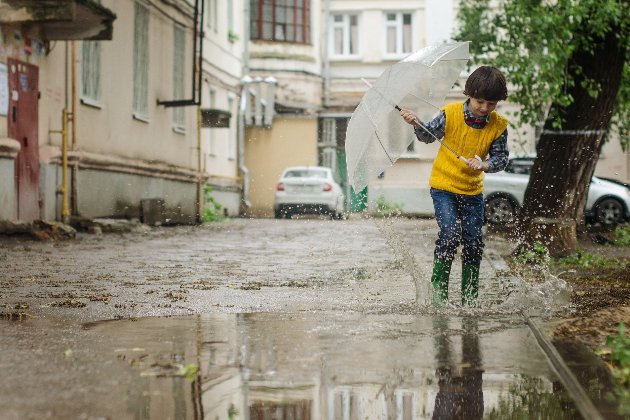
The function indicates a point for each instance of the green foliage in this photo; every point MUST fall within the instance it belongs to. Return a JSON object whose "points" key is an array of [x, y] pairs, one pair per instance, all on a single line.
{"points": [[619, 355], [586, 260], [537, 255], [621, 236], [212, 209], [385, 208], [232, 36], [189, 371], [533, 42], [232, 412]]}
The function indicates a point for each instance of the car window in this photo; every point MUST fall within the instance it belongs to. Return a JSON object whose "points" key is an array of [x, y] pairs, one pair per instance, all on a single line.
{"points": [[306, 173], [520, 166]]}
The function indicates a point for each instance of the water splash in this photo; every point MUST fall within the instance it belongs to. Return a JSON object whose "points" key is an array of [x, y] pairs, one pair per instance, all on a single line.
{"points": [[420, 275], [537, 298]]}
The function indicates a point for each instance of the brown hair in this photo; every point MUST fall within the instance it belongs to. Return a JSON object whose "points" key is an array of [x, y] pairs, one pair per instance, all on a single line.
{"points": [[487, 83]]}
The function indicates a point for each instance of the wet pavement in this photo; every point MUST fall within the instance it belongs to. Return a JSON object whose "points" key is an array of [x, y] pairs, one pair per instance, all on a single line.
{"points": [[264, 319]]}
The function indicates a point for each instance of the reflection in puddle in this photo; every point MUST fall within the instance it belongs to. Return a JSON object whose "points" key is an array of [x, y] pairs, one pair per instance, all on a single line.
{"points": [[314, 366]]}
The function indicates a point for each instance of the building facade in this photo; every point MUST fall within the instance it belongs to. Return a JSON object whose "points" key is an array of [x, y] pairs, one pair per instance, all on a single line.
{"points": [[150, 125], [132, 97]]}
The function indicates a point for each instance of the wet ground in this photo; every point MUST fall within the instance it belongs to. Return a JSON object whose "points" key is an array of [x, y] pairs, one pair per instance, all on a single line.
{"points": [[265, 319]]}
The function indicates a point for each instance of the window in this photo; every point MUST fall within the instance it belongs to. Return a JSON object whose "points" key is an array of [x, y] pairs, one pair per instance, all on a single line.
{"points": [[399, 32], [332, 138], [211, 141], [232, 137], [179, 55], [91, 72], [280, 20], [345, 36], [141, 62], [213, 14], [230, 15]]}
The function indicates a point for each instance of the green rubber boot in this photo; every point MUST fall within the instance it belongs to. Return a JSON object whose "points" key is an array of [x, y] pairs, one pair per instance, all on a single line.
{"points": [[470, 284], [439, 281]]}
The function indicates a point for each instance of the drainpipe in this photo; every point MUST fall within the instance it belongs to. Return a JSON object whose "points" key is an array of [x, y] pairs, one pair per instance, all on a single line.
{"points": [[326, 54], [63, 189], [245, 81], [200, 195], [73, 113], [243, 107]]}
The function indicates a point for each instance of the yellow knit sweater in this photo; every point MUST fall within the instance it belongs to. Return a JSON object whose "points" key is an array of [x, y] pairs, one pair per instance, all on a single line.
{"points": [[450, 173]]}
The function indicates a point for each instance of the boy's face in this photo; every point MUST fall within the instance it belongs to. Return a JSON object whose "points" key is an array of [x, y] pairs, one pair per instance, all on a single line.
{"points": [[481, 107]]}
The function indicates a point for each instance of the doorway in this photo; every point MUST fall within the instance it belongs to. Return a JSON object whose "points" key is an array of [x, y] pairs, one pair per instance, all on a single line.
{"points": [[23, 127]]}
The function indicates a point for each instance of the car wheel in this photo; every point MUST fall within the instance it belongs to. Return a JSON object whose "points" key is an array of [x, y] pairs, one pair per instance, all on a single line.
{"points": [[500, 210], [609, 211]]}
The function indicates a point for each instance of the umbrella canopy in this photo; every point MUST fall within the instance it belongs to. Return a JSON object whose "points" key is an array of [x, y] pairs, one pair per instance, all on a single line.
{"points": [[377, 135]]}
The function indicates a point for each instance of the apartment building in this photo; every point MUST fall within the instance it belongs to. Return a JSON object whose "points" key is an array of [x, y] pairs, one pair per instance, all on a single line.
{"points": [[284, 66], [147, 123]]}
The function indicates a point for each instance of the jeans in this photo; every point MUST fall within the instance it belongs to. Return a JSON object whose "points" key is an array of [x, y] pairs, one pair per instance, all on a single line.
{"points": [[460, 219]]}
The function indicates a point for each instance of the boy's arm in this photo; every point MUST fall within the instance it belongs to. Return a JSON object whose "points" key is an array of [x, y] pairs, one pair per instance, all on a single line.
{"points": [[498, 154], [429, 130]]}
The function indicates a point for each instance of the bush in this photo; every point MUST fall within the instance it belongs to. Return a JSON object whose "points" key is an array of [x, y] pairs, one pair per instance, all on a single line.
{"points": [[385, 208], [211, 209]]}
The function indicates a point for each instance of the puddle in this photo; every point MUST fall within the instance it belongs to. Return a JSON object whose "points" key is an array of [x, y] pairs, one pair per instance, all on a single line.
{"points": [[329, 366]]}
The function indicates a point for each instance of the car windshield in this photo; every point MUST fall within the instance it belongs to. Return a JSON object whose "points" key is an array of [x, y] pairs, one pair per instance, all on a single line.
{"points": [[306, 173]]}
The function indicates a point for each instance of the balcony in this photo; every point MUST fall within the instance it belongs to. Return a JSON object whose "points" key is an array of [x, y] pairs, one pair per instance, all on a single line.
{"points": [[59, 20]]}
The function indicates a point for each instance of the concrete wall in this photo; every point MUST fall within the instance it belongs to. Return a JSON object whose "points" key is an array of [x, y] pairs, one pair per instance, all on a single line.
{"points": [[291, 142]]}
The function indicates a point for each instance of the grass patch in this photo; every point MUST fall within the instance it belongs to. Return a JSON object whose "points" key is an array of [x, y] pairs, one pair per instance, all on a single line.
{"points": [[617, 356], [621, 236], [586, 260]]}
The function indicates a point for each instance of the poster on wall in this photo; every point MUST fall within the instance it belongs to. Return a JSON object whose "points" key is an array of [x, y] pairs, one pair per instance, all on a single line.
{"points": [[4, 89]]}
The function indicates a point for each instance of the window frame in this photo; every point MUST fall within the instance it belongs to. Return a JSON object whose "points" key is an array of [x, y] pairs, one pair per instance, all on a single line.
{"points": [[141, 63], [346, 28], [399, 27], [232, 146], [179, 77], [212, 15], [212, 100], [91, 69], [258, 28]]}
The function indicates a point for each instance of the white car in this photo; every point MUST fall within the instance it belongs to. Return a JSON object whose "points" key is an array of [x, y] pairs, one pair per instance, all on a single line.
{"points": [[308, 189], [608, 202]]}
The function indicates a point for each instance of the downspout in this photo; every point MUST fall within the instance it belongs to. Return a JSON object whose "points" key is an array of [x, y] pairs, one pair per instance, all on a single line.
{"points": [[242, 109], [73, 117], [245, 81], [326, 58], [200, 195]]}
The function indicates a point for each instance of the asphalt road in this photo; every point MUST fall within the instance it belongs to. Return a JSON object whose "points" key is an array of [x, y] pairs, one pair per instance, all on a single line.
{"points": [[203, 321]]}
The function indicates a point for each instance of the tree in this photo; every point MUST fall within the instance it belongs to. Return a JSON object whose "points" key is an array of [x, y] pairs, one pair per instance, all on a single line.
{"points": [[568, 64]]}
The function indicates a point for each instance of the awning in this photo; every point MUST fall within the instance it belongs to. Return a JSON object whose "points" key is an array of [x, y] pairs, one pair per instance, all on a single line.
{"points": [[61, 19]]}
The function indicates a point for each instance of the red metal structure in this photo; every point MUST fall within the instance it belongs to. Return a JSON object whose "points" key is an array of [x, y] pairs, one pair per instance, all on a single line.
{"points": [[23, 126]]}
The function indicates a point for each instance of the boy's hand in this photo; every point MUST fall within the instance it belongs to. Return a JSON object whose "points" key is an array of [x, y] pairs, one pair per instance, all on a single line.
{"points": [[410, 118], [477, 164]]}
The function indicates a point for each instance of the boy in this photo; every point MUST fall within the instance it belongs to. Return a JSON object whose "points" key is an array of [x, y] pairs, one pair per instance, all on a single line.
{"points": [[472, 128]]}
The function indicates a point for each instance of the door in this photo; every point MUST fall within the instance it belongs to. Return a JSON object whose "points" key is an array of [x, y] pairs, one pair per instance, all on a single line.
{"points": [[23, 126]]}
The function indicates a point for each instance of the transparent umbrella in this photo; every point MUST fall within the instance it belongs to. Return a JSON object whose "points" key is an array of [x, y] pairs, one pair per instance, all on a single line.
{"points": [[377, 135]]}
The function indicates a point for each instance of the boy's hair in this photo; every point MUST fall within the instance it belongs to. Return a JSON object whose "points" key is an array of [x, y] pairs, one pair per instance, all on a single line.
{"points": [[487, 83]]}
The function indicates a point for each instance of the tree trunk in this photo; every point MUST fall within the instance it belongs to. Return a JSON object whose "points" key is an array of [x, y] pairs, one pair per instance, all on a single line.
{"points": [[566, 158]]}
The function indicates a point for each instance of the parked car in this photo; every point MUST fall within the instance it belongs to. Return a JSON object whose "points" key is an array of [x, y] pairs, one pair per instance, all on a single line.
{"points": [[308, 189], [608, 202]]}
